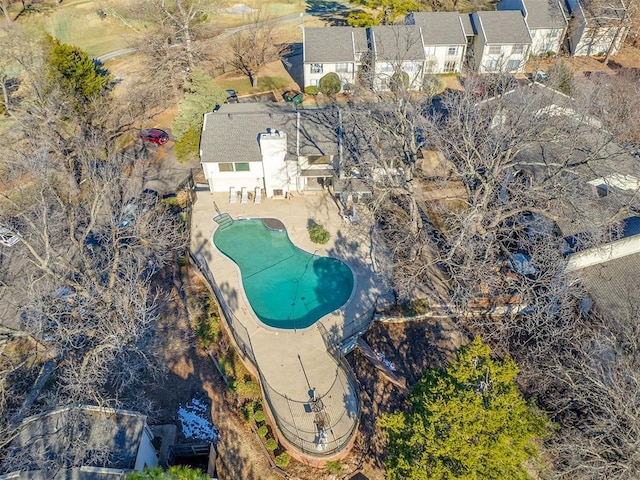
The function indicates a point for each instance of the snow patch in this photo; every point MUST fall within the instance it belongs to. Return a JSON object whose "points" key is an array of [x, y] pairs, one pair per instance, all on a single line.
{"points": [[194, 425]]}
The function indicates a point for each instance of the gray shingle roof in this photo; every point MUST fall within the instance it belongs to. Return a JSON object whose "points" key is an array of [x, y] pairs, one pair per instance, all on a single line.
{"points": [[333, 44], [398, 43], [309, 132], [361, 42], [318, 132], [503, 27], [542, 13], [88, 429], [613, 286], [440, 28], [467, 24]]}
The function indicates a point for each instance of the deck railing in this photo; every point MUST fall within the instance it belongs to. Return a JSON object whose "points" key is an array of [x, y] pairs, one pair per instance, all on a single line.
{"points": [[317, 426]]}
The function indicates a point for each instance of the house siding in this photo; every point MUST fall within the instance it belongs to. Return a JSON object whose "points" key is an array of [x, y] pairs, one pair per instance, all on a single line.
{"points": [[486, 62], [500, 62], [384, 70], [586, 40], [546, 40], [438, 58], [146, 453], [222, 181], [347, 77]]}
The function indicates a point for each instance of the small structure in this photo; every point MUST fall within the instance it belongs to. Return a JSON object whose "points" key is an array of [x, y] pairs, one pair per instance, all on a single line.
{"points": [[546, 21], [597, 28], [271, 147], [445, 42], [397, 50], [80, 442], [333, 49], [502, 43]]}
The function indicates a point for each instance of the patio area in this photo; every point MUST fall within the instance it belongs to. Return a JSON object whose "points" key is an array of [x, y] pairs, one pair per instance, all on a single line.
{"points": [[295, 365]]}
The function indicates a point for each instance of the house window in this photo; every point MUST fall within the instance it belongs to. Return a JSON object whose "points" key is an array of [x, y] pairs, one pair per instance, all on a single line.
{"points": [[450, 66], [410, 67], [277, 192], [430, 51], [495, 50], [517, 49], [314, 82], [513, 65], [234, 167], [316, 68], [492, 65], [452, 51], [342, 67], [319, 160], [386, 67]]}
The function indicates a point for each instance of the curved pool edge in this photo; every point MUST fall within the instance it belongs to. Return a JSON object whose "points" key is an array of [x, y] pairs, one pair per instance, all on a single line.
{"points": [[245, 298]]}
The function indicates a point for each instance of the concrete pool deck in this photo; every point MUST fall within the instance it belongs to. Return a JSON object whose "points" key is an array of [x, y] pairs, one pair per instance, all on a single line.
{"points": [[295, 362]]}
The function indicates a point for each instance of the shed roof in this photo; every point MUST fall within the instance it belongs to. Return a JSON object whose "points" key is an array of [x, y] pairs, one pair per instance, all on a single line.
{"points": [[309, 132], [503, 27], [72, 436], [398, 43], [333, 44], [440, 28]]}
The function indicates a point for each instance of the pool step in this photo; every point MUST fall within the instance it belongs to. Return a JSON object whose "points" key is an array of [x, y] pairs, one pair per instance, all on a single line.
{"points": [[223, 220]]}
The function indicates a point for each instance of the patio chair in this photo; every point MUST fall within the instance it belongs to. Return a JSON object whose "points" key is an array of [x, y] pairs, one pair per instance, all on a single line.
{"points": [[258, 197], [233, 195], [245, 195]]}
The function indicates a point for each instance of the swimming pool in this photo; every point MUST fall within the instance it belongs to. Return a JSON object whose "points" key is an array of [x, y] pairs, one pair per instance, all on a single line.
{"points": [[287, 287]]}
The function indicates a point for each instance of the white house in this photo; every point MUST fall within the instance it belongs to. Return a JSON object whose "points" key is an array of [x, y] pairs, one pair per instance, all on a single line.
{"points": [[80, 442], [595, 29], [444, 39], [546, 21], [333, 49], [269, 148], [502, 42], [397, 48]]}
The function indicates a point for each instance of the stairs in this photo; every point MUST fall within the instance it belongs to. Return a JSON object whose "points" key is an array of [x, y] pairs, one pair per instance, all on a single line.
{"points": [[223, 220]]}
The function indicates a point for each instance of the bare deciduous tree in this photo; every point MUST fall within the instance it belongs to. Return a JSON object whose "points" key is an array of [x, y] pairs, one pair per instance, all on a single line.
{"points": [[254, 47], [523, 167], [83, 275], [171, 38]]}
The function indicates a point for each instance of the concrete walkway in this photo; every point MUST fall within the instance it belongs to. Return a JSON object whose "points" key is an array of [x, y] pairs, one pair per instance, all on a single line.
{"points": [[294, 362]]}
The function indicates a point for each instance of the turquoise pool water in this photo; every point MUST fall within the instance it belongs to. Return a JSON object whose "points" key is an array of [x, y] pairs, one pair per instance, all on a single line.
{"points": [[286, 286]]}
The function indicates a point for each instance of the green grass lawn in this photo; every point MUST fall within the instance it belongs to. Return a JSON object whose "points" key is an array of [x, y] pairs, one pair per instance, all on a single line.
{"points": [[76, 22]]}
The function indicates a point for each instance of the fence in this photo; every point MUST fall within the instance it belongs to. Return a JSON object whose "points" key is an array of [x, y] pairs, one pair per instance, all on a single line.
{"points": [[240, 333], [317, 427], [323, 425], [340, 341]]}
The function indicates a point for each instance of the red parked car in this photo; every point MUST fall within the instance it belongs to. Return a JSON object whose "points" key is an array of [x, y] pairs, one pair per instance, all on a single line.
{"points": [[154, 135]]}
